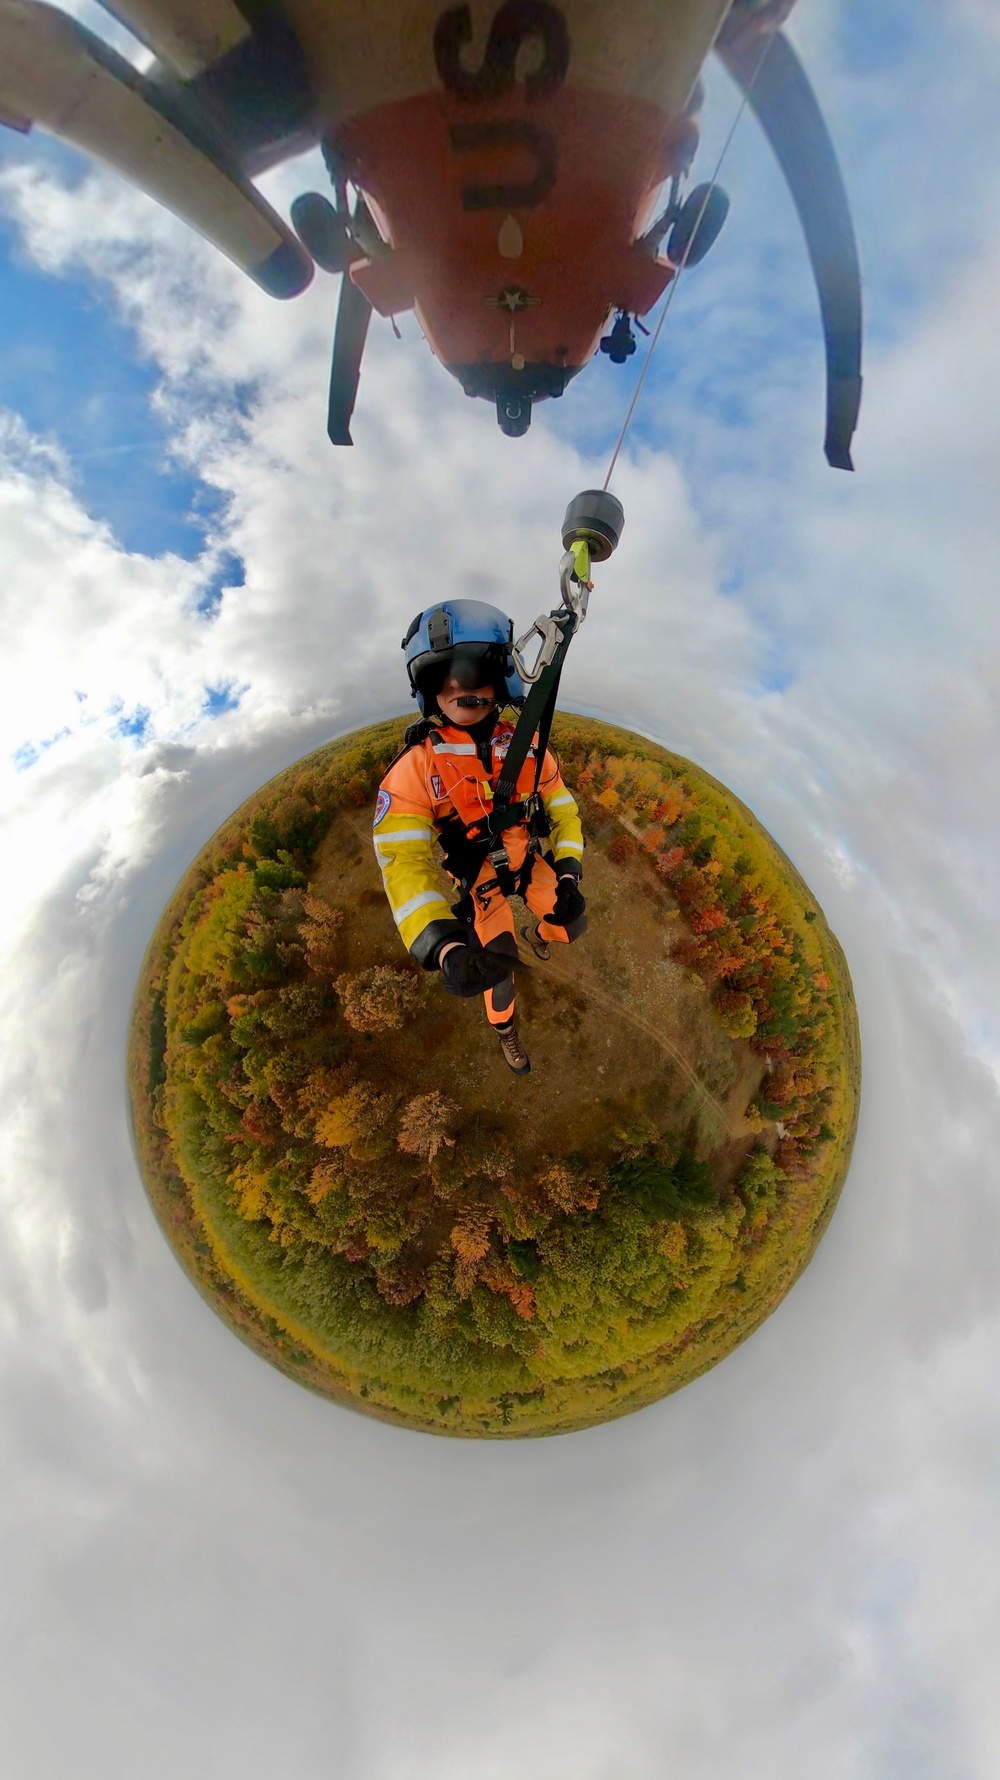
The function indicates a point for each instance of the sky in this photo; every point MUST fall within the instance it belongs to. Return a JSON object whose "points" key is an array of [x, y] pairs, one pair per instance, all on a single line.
{"points": [[790, 1570]]}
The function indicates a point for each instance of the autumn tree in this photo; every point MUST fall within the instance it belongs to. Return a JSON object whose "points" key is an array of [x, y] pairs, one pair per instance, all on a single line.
{"points": [[379, 999], [501, 1278], [358, 1121], [621, 848], [319, 932], [322, 1086], [736, 1011], [325, 1178], [566, 1188], [470, 1233], [759, 1185], [427, 1125]]}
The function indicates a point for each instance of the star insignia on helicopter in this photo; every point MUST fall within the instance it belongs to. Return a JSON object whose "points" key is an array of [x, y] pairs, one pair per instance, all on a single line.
{"points": [[513, 298]]}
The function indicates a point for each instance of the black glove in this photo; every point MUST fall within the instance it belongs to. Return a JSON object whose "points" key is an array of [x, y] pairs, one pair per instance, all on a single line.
{"points": [[467, 973], [570, 904], [567, 868]]}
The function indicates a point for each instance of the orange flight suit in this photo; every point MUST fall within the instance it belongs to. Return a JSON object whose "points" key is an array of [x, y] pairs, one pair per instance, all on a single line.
{"points": [[440, 788]]}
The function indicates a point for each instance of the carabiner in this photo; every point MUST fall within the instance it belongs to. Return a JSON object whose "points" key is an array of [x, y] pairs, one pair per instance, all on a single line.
{"points": [[550, 631]]}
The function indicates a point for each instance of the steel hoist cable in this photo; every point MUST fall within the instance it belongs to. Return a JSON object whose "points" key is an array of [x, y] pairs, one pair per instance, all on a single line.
{"points": [[591, 530], [675, 281]]}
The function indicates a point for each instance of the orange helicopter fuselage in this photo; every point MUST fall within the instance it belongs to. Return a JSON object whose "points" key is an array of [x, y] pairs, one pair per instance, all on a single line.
{"points": [[512, 156]]}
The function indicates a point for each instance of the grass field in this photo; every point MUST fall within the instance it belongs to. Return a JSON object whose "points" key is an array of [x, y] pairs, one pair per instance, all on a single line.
{"points": [[568, 1247]]}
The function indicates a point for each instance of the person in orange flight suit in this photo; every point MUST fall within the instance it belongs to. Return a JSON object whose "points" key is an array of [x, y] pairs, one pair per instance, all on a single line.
{"points": [[441, 789]]}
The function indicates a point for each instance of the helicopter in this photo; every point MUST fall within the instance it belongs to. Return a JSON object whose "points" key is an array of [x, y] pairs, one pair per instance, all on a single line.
{"points": [[496, 169]]}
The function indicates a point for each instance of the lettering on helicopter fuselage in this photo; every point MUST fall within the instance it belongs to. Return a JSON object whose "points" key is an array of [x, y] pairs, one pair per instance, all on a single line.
{"points": [[516, 195], [513, 24]]}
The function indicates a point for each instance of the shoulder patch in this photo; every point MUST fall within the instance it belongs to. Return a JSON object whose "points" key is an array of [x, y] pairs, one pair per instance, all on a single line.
{"points": [[382, 803]]}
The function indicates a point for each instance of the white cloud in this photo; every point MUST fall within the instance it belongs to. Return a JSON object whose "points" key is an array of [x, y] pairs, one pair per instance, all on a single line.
{"points": [[786, 1572]]}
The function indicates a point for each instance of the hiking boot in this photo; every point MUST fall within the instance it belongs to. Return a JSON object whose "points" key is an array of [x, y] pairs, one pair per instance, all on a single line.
{"points": [[538, 945], [514, 1054]]}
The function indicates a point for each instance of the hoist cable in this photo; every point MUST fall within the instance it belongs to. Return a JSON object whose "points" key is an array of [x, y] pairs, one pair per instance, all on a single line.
{"points": [[675, 281]]}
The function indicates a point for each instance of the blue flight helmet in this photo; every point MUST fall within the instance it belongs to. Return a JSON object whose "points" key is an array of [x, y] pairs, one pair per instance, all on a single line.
{"points": [[468, 637]]}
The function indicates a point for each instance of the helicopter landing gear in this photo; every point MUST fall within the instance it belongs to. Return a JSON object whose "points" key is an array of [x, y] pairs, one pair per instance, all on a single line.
{"points": [[698, 225], [324, 232]]}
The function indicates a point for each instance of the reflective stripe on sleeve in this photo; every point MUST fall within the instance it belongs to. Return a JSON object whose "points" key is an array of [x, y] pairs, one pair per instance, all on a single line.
{"points": [[390, 838], [424, 900], [552, 803], [568, 847]]}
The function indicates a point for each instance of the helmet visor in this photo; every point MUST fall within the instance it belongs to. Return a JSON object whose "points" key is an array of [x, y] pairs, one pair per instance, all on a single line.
{"points": [[473, 665]]}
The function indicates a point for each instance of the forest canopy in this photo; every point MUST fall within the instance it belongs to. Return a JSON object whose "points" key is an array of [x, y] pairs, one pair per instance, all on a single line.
{"points": [[346, 1176]]}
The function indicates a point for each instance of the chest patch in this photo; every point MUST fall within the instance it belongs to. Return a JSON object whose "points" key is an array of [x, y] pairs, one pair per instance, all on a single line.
{"points": [[437, 788], [382, 803]]}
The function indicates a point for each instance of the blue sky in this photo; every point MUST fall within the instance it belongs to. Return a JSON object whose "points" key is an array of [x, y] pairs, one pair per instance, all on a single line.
{"points": [[70, 368], [788, 1572]]}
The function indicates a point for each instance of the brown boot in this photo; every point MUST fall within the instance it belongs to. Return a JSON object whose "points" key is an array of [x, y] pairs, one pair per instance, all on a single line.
{"points": [[514, 1054], [533, 938]]}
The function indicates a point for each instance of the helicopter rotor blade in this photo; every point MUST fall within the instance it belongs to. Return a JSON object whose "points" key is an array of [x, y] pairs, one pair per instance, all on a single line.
{"points": [[57, 75], [779, 91], [188, 36]]}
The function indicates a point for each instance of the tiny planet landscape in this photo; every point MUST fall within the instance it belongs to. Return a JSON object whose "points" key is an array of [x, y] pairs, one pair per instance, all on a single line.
{"points": [[342, 1168], [499, 1238]]}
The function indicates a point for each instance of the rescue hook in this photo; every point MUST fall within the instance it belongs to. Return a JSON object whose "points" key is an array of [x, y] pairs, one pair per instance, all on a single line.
{"points": [[591, 529]]}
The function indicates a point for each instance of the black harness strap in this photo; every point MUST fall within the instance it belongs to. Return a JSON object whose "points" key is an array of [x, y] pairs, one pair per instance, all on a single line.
{"points": [[536, 717], [537, 713]]}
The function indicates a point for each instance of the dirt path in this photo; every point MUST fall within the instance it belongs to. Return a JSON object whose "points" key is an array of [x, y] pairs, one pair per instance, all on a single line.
{"points": [[578, 975]]}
